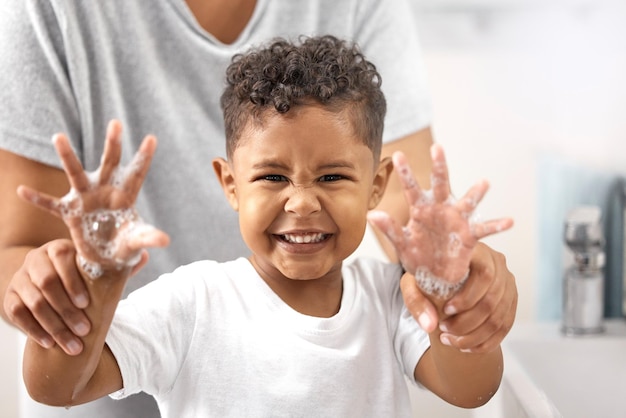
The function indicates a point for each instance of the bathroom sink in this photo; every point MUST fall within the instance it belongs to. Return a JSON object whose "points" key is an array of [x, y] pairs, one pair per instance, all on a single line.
{"points": [[549, 375]]}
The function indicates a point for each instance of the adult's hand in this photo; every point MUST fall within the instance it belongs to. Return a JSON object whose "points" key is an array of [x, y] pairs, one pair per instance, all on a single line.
{"points": [[46, 296], [480, 315]]}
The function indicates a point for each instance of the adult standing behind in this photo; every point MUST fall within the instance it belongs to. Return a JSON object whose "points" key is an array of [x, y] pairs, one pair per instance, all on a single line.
{"points": [[157, 65]]}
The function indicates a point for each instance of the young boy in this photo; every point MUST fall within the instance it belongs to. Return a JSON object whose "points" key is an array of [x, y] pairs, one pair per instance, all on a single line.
{"points": [[289, 331]]}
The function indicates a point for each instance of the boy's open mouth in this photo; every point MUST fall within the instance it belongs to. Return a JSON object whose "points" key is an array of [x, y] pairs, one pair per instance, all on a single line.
{"points": [[310, 238]]}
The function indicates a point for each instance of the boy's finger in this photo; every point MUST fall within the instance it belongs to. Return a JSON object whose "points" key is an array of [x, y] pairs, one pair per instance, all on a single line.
{"points": [[41, 200], [147, 236], [112, 152], [468, 203], [73, 168], [136, 171], [143, 260], [389, 227], [440, 182], [487, 228], [412, 191]]}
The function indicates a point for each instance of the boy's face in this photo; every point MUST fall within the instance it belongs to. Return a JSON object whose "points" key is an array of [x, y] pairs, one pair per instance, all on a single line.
{"points": [[302, 184]]}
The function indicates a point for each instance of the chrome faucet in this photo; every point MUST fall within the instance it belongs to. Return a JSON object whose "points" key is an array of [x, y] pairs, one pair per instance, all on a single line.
{"points": [[583, 282]]}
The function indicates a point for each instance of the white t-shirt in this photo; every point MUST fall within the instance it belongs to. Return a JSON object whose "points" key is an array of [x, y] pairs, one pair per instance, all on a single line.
{"points": [[213, 340]]}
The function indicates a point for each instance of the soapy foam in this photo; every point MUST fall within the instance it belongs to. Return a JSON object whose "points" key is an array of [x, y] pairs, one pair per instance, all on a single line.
{"points": [[454, 244], [92, 269], [71, 205], [436, 286], [101, 228]]}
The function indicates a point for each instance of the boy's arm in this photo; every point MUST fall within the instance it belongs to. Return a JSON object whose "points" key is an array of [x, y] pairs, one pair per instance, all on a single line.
{"points": [[55, 378], [107, 247], [465, 380], [461, 378], [435, 247]]}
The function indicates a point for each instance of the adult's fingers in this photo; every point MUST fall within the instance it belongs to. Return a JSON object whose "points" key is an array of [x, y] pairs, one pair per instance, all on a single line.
{"points": [[417, 304], [489, 335], [485, 308], [45, 297], [48, 319], [21, 317]]}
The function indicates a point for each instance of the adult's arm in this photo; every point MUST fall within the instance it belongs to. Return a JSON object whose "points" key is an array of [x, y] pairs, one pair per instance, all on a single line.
{"points": [[40, 298]]}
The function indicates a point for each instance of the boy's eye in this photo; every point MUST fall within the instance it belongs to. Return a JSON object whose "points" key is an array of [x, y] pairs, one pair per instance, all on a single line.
{"points": [[331, 177], [273, 177]]}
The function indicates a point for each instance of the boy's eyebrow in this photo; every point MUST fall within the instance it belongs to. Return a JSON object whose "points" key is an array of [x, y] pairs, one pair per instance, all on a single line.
{"points": [[337, 164], [268, 164], [326, 166]]}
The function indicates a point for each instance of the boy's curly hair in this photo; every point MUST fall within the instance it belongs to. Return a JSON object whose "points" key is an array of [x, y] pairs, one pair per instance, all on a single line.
{"points": [[320, 70]]}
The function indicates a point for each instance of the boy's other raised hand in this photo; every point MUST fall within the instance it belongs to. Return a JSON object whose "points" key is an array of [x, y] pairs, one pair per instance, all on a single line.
{"points": [[437, 247], [440, 236], [99, 211], [46, 296]]}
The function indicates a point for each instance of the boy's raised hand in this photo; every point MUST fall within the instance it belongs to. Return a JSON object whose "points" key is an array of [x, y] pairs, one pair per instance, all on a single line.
{"points": [[99, 210], [440, 235], [437, 245]]}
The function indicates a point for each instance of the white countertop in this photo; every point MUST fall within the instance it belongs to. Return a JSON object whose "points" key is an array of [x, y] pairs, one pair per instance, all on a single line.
{"points": [[583, 376]]}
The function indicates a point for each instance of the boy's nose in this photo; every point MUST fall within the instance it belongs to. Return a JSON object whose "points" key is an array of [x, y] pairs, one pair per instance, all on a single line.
{"points": [[303, 201]]}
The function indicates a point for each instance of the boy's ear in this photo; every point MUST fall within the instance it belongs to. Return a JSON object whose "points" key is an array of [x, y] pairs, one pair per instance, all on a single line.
{"points": [[381, 178], [227, 180]]}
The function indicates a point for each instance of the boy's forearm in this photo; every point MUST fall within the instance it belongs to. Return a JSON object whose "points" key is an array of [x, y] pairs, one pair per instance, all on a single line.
{"points": [[55, 378], [465, 379], [469, 380]]}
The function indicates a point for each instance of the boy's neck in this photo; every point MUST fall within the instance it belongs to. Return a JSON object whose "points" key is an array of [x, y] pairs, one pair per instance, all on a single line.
{"points": [[319, 298], [311, 300]]}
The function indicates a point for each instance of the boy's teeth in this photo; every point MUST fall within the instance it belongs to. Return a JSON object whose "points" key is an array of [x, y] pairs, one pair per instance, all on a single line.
{"points": [[303, 238]]}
